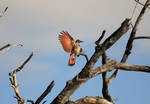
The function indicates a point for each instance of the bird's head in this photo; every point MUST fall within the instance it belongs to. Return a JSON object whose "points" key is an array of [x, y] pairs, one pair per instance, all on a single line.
{"points": [[79, 41]]}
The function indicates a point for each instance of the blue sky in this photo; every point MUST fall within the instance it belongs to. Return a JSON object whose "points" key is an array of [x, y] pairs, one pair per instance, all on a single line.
{"points": [[37, 23]]}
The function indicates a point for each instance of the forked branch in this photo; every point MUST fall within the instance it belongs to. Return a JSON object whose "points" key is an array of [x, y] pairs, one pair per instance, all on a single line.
{"points": [[14, 84], [142, 3], [131, 39]]}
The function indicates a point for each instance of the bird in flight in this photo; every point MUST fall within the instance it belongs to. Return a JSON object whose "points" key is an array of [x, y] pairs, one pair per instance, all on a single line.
{"points": [[71, 46]]}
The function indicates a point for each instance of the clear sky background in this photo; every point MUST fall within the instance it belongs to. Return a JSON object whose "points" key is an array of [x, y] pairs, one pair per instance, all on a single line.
{"points": [[37, 23]]}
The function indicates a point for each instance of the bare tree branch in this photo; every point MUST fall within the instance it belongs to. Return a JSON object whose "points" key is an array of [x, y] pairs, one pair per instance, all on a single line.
{"points": [[1, 14], [45, 93], [122, 66], [130, 41], [44, 102], [8, 47], [141, 3], [5, 9], [134, 12], [5, 46], [22, 66], [142, 37], [14, 84], [128, 67], [100, 38], [90, 100], [108, 43], [84, 75], [105, 89], [31, 101]]}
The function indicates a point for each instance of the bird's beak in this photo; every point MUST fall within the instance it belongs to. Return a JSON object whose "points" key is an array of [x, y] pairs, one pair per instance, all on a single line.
{"points": [[81, 41]]}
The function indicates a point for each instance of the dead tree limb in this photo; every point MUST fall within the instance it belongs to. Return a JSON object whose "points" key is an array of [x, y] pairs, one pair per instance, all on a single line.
{"points": [[31, 101], [141, 37], [14, 84], [2, 13], [84, 75], [45, 93], [131, 39], [91, 100], [5, 46], [100, 38], [74, 84], [122, 66], [142, 3], [8, 47], [105, 88]]}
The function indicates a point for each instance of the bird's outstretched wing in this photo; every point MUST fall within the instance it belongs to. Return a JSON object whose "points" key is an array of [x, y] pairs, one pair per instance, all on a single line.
{"points": [[66, 40]]}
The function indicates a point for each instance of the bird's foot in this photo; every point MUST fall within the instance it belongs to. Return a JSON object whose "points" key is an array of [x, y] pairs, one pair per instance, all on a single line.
{"points": [[83, 54]]}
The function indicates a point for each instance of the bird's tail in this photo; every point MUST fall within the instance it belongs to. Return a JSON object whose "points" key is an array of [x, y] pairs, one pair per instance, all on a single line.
{"points": [[71, 60]]}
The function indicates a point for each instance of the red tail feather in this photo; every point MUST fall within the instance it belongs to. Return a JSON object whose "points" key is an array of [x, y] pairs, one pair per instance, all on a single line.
{"points": [[71, 61]]}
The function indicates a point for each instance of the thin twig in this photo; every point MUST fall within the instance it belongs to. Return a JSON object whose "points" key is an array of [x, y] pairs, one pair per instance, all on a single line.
{"points": [[134, 10], [5, 9], [1, 14], [142, 37], [45, 93], [114, 101], [22, 66], [5, 46], [100, 38], [26, 61], [8, 47], [141, 3], [44, 102], [31, 101]]}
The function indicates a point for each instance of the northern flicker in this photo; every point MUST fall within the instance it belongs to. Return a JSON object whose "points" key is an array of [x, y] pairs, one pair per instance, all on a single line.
{"points": [[71, 46]]}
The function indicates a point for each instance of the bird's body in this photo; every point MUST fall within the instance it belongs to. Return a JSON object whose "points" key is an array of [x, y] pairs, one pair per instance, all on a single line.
{"points": [[76, 50], [69, 45]]}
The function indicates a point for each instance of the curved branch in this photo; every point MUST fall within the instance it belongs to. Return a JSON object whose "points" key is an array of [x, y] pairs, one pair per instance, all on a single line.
{"points": [[8, 47]]}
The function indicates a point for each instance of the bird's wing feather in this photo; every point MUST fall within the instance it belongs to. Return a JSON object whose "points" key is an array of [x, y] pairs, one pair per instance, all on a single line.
{"points": [[66, 41]]}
